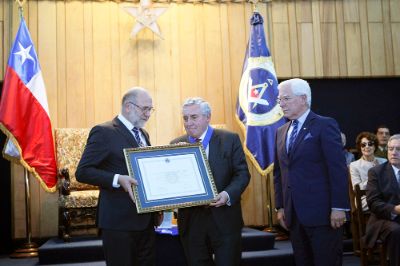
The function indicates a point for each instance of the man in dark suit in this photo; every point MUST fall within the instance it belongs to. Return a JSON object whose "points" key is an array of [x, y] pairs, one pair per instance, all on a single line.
{"points": [[383, 198], [215, 228], [382, 134], [310, 177], [128, 237]]}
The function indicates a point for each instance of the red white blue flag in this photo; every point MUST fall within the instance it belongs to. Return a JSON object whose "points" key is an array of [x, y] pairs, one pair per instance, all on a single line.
{"points": [[257, 110], [24, 112]]}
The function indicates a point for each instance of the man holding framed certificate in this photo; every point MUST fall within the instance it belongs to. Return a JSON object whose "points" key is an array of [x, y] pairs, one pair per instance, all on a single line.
{"points": [[128, 237], [214, 228]]}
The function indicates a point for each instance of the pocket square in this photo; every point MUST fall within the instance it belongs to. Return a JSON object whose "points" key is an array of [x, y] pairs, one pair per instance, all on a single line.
{"points": [[308, 136]]}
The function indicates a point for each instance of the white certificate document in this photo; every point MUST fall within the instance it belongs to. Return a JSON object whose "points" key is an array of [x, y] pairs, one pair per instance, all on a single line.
{"points": [[171, 176]]}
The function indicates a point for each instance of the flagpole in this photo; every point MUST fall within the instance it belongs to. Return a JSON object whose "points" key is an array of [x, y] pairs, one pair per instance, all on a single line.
{"points": [[279, 234], [28, 249], [269, 205]]}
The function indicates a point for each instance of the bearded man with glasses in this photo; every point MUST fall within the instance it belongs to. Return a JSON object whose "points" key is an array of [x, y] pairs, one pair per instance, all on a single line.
{"points": [[128, 237]]}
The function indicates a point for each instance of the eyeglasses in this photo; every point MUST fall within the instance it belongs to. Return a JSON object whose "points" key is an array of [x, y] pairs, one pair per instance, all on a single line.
{"points": [[144, 109], [365, 144], [284, 99], [393, 149]]}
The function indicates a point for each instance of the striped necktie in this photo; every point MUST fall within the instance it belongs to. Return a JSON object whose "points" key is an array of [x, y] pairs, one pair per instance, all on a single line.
{"points": [[293, 135], [137, 137]]}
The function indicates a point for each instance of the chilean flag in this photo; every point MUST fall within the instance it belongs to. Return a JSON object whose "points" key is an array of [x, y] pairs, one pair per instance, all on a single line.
{"points": [[24, 113]]}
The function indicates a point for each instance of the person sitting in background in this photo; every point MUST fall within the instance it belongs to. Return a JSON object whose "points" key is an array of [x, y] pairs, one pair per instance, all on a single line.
{"points": [[366, 143], [383, 134], [348, 155], [383, 197]]}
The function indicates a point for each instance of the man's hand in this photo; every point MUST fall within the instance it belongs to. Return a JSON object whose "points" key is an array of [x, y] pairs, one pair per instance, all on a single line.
{"points": [[337, 218], [281, 218], [220, 199], [126, 182]]}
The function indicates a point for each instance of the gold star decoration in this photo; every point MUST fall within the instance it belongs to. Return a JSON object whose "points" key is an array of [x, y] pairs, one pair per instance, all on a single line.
{"points": [[146, 17]]}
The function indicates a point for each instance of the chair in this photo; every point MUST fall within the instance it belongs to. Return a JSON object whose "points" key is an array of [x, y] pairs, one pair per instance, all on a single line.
{"points": [[77, 201], [354, 220], [366, 254]]}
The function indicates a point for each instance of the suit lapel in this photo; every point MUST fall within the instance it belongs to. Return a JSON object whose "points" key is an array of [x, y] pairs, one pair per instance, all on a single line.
{"points": [[392, 178], [302, 131], [213, 149], [282, 142], [145, 135], [121, 128]]}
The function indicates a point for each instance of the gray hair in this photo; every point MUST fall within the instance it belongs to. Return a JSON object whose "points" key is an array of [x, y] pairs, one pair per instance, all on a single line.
{"points": [[298, 87], [204, 106], [132, 93], [393, 137]]}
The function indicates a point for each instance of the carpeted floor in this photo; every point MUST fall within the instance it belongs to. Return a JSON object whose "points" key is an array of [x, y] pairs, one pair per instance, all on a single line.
{"points": [[348, 259]]}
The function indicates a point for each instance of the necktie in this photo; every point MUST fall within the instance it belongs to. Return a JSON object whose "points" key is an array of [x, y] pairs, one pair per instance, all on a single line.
{"points": [[293, 135], [137, 136], [398, 177]]}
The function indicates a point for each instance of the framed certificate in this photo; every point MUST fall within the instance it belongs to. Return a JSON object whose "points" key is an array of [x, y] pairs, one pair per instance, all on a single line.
{"points": [[170, 177]]}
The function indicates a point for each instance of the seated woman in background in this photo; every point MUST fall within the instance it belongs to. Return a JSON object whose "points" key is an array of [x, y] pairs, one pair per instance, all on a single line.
{"points": [[366, 144]]}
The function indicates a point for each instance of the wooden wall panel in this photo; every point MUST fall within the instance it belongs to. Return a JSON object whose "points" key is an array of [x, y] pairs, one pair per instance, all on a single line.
{"points": [[2, 43], [327, 11], [102, 90], [89, 60], [282, 49], [237, 47], [317, 39], [75, 70], [341, 40], [351, 10], [396, 47], [60, 118], [353, 49], [374, 8], [394, 10], [166, 92], [47, 52], [189, 44], [214, 83], [304, 11], [330, 56], [387, 32], [293, 56], [3, 38], [365, 49], [377, 54], [227, 104], [306, 48], [89, 42]]}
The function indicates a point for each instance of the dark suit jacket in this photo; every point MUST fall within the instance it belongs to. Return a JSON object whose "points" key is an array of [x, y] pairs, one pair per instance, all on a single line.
{"points": [[381, 153], [102, 158], [314, 176], [383, 193], [229, 168]]}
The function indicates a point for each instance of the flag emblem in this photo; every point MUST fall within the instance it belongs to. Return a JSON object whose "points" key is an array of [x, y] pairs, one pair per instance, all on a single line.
{"points": [[24, 112], [257, 110]]}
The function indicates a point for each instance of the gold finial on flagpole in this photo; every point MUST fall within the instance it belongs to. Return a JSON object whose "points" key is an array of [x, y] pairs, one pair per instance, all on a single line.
{"points": [[20, 7], [254, 2]]}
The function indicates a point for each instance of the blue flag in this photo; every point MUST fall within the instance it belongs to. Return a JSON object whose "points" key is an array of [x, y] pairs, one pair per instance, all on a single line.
{"points": [[257, 109]]}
